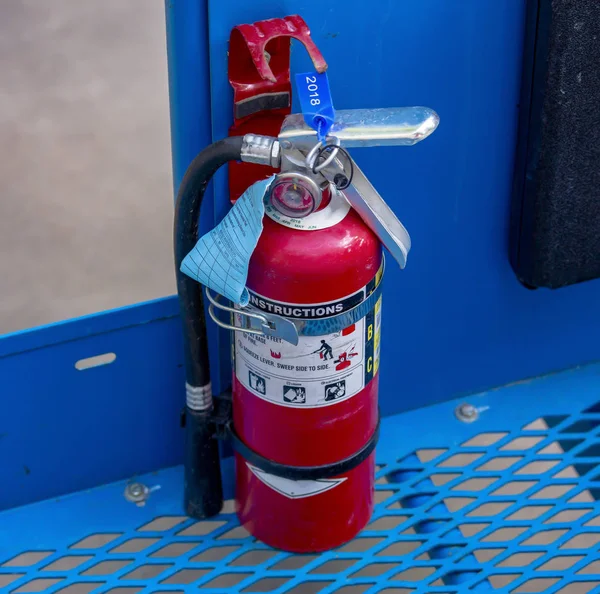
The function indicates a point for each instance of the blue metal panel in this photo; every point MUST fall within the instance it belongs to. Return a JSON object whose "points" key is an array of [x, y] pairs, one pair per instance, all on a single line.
{"points": [[189, 94], [456, 320], [62, 429], [460, 508]]}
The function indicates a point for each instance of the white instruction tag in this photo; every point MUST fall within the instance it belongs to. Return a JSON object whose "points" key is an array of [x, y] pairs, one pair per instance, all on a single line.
{"points": [[220, 258]]}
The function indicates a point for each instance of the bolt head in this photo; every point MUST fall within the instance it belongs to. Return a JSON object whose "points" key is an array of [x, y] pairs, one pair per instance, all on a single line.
{"points": [[466, 413], [136, 492]]}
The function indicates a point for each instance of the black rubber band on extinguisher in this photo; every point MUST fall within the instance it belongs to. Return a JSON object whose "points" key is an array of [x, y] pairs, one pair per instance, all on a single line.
{"points": [[302, 473]]}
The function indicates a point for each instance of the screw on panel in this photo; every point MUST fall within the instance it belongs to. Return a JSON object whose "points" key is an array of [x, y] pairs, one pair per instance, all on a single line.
{"points": [[136, 493], [466, 413]]}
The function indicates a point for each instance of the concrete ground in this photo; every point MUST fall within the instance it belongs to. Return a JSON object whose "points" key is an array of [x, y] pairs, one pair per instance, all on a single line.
{"points": [[85, 171]]}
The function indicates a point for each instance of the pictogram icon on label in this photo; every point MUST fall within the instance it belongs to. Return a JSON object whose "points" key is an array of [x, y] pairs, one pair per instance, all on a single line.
{"points": [[318, 371], [295, 489]]}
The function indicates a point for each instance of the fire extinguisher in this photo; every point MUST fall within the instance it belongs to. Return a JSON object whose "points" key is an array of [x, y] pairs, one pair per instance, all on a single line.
{"points": [[302, 414], [305, 415]]}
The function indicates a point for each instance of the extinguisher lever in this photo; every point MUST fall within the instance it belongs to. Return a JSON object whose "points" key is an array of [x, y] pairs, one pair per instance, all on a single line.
{"points": [[374, 211]]}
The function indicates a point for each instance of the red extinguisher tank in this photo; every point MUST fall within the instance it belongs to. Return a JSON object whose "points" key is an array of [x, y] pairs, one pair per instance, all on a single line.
{"points": [[314, 403]]}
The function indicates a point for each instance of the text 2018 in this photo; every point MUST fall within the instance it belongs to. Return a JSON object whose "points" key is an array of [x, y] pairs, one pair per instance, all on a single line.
{"points": [[313, 88]]}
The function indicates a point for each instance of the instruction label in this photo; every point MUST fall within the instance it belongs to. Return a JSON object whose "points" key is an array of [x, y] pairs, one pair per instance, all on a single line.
{"points": [[320, 370]]}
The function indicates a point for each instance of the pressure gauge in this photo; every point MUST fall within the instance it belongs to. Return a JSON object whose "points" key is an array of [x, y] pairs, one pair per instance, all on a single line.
{"points": [[295, 195]]}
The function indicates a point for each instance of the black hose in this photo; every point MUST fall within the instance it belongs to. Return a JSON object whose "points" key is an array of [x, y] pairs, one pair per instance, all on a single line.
{"points": [[203, 489]]}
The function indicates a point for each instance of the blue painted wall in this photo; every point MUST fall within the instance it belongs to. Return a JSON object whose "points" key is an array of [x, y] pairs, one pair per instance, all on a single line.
{"points": [[190, 106], [456, 320]]}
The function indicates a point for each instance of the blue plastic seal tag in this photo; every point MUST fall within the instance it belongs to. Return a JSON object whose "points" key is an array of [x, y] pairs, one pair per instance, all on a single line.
{"points": [[220, 258], [315, 101]]}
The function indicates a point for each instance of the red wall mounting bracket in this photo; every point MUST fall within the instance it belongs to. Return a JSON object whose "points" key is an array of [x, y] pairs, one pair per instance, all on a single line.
{"points": [[259, 72]]}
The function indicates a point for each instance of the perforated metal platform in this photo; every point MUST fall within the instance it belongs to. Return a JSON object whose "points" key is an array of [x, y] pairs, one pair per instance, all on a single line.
{"points": [[507, 503]]}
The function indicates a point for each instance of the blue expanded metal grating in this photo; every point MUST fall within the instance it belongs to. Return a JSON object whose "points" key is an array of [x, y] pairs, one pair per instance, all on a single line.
{"points": [[508, 503]]}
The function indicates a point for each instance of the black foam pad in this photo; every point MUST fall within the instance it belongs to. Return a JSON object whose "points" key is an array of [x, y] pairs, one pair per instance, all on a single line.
{"points": [[555, 220]]}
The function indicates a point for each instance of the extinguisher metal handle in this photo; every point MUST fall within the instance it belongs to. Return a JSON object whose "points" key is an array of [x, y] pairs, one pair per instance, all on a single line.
{"points": [[393, 126], [262, 323]]}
